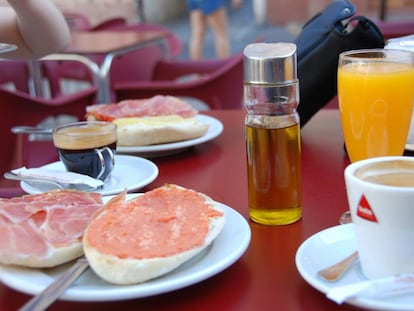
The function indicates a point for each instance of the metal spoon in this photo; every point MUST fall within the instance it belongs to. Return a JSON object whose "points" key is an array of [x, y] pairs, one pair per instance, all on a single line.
{"points": [[30, 130], [53, 183], [335, 272]]}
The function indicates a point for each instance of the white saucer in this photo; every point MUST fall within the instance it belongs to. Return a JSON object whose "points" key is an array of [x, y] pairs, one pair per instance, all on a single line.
{"points": [[129, 173], [226, 249], [328, 247], [215, 129]]}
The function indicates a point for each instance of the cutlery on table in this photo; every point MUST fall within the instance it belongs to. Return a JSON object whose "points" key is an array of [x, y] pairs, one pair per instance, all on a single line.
{"points": [[44, 299], [30, 130], [85, 184], [335, 272]]}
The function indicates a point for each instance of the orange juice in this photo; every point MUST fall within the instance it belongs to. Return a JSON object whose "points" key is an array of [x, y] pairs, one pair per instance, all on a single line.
{"points": [[375, 102]]}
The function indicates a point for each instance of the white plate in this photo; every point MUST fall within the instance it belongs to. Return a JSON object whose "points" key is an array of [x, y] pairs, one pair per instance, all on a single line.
{"points": [[215, 129], [129, 173], [328, 247], [226, 249]]}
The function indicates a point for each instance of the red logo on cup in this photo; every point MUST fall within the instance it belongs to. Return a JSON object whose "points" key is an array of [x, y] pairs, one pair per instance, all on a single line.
{"points": [[365, 211]]}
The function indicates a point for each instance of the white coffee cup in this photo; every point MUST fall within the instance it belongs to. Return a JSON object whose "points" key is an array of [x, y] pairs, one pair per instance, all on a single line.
{"points": [[381, 200]]}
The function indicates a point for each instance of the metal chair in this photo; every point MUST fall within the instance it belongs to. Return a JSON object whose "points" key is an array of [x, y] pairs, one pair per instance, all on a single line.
{"points": [[60, 68], [137, 65]]}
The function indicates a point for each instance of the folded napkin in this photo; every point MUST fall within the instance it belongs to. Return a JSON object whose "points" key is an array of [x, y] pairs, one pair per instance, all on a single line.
{"points": [[389, 286], [58, 176]]}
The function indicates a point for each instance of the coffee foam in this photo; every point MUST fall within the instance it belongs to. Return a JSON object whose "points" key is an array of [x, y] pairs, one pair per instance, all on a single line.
{"points": [[84, 137], [396, 173]]}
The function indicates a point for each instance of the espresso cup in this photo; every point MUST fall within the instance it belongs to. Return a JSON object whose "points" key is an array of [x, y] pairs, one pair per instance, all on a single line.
{"points": [[87, 147], [381, 200]]}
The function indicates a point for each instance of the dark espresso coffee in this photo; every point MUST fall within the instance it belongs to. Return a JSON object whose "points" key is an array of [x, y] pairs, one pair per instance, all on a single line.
{"points": [[87, 147], [396, 173]]}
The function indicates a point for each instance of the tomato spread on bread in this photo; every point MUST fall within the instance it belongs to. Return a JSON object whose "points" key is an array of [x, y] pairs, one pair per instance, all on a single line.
{"points": [[160, 223]]}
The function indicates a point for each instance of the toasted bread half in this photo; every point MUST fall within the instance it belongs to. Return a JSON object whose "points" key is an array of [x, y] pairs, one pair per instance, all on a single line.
{"points": [[134, 241], [158, 130]]}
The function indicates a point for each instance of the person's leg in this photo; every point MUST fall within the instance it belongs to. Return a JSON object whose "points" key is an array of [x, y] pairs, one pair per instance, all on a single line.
{"points": [[219, 24], [198, 29]]}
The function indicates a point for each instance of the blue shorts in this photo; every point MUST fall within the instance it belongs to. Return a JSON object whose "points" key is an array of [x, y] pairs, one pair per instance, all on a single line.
{"points": [[206, 6]]}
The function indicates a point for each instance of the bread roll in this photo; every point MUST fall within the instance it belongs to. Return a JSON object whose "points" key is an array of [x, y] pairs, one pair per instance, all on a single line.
{"points": [[158, 130], [134, 241]]}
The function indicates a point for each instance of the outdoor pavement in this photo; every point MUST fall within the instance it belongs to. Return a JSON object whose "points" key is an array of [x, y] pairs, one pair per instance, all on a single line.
{"points": [[243, 30]]}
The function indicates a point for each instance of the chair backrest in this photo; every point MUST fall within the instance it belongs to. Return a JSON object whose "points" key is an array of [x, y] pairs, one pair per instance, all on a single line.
{"points": [[14, 74], [217, 83], [22, 109], [60, 68]]}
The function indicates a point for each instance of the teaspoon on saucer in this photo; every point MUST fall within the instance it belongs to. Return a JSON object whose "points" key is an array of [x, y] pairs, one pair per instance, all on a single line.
{"points": [[30, 130], [335, 272], [53, 183]]}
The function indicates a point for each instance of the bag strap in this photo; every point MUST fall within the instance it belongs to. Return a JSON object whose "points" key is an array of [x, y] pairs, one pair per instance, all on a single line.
{"points": [[365, 23], [337, 11], [322, 23]]}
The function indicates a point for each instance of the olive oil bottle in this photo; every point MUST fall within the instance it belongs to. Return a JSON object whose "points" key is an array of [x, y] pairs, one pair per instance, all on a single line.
{"points": [[271, 96]]}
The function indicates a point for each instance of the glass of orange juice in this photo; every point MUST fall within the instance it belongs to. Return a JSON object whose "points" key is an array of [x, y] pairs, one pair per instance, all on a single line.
{"points": [[376, 97]]}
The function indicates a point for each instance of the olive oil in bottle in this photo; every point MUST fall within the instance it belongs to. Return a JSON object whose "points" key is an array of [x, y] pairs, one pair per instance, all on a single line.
{"points": [[272, 133]]}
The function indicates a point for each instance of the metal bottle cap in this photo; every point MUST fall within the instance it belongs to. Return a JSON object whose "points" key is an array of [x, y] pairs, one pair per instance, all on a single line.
{"points": [[270, 63]]}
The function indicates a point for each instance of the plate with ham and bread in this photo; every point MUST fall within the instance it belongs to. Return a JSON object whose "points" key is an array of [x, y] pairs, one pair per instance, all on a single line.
{"points": [[137, 245], [157, 126]]}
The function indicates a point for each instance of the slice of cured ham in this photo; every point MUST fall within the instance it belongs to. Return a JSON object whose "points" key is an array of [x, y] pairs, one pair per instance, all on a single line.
{"points": [[155, 106], [44, 230]]}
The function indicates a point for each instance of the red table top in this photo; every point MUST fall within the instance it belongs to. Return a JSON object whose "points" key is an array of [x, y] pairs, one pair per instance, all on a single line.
{"points": [[265, 277]]}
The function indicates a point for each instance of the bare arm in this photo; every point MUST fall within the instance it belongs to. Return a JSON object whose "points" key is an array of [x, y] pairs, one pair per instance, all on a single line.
{"points": [[37, 27]]}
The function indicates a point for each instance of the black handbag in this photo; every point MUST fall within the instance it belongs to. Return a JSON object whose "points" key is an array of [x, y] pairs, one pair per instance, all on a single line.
{"points": [[322, 39]]}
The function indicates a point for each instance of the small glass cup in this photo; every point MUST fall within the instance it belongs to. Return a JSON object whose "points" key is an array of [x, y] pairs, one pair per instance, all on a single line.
{"points": [[87, 147]]}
